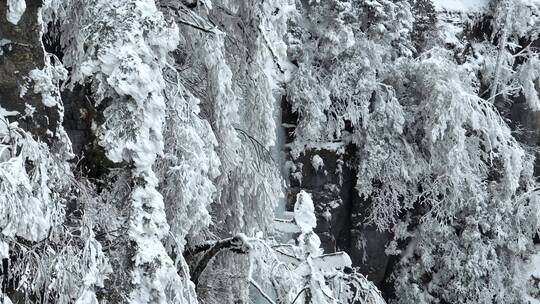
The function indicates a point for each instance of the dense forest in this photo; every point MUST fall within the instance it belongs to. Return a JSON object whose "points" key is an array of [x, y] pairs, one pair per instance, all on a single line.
{"points": [[270, 151]]}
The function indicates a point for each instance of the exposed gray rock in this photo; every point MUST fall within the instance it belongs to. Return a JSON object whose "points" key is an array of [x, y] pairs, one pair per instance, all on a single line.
{"points": [[341, 213], [22, 51]]}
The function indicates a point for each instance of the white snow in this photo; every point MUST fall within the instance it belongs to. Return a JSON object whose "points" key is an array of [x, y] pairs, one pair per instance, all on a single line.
{"points": [[2, 43], [6, 113], [29, 110], [46, 83], [4, 299], [286, 223], [4, 250], [23, 91], [317, 162], [285, 226], [304, 217], [15, 10], [464, 6], [327, 263], [304, 212]]}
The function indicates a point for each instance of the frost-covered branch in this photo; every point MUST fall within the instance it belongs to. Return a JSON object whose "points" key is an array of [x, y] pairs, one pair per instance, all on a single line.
{"points": [[259, 289], [237, 244]]}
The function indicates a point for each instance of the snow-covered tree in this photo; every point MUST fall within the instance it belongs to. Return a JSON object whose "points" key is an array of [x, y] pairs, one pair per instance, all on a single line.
{"points": [[185, 161], [438, 164], [184, 98]]}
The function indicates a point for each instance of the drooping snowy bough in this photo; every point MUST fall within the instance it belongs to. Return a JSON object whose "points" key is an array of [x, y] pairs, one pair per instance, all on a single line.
{"points": [[293, 272], [437, 161]]}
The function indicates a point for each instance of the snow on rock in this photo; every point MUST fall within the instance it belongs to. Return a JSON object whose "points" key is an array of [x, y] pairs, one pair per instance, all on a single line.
{"points": [[285, 226], [46, 82], [304, 212], [6, 113], [461, 6], [317, 162], [15, 10], [304, 217], [329, 262], [326, 263], [130, 66], [4, 250]]}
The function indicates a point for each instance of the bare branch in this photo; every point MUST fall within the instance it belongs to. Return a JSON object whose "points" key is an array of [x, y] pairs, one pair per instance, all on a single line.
{"points": [[235, 244], [178, 12], [271, 50], [195, 26]]}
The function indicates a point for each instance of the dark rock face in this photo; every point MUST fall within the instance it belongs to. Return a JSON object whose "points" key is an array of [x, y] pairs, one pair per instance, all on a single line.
{"points": [[332, 202], [21, 52], [78, 114], [341, 212], [527, 122]]}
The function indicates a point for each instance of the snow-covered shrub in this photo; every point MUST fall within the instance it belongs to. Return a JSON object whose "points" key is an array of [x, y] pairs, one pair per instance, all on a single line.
{"points": [[28, 173], [299, 272], [48, 248]]}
